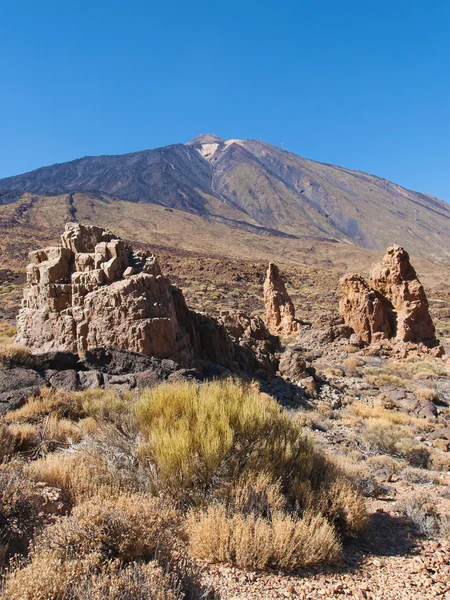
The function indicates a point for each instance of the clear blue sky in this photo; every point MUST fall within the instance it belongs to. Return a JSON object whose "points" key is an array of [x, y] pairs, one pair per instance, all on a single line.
{"points": [[359, 83]]}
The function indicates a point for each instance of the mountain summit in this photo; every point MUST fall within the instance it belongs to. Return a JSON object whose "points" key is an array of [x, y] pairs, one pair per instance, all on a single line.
{"points": [[205, 138], [255, 185]]}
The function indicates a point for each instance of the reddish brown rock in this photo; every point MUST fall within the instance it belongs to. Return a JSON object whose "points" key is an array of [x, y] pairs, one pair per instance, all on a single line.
{"points": [[95, 292], [280, 311], [364, 310], [391, 305], [396, 279]]}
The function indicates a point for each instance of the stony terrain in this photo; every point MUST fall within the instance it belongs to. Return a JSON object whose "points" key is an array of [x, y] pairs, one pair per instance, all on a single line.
{"points": [[381, 409]]}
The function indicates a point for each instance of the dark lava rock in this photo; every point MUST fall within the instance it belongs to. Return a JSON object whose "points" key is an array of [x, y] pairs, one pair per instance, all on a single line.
{"points": [[17, 378], [13, 399], [118, 362], [65, 380], [59, 361]]}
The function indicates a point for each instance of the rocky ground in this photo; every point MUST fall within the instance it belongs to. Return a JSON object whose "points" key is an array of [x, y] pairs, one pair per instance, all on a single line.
{"points": [[382, 411]]}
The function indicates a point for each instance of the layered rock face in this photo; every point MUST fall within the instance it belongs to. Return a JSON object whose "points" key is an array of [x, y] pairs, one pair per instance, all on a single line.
{"points": [[280, 311], [391, 305], [93, 291]]}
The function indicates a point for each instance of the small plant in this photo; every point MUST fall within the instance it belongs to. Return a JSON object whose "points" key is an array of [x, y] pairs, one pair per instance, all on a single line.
{"points": [[426, 394], [249, 541], [7, 442], [421, 511], [11, 355]]}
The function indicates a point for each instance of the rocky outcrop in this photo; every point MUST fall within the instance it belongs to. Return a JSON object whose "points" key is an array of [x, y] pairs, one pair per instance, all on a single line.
{"points": [[93, 292], [391, 305], [365, 310], [279, 309]]}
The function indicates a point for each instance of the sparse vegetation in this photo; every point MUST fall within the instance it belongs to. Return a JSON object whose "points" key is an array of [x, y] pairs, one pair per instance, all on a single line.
{"points": [[242, 484]]}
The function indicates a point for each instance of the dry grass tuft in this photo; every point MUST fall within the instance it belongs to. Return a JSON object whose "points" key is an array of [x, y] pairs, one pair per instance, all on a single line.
{"points": [[63, 404], [98, 551], [426, 394], [47, 578], [7, 442], [11, 355], [249, 541], [78, 474]]}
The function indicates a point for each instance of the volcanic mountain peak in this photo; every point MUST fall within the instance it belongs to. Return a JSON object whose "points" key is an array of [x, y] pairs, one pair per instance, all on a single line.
{"points": [[249, 183], [205, 138]]}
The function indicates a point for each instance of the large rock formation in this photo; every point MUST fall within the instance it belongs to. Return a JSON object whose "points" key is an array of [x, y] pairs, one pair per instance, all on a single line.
{"points": [[280, 311], [93, 291], [391, 305]]}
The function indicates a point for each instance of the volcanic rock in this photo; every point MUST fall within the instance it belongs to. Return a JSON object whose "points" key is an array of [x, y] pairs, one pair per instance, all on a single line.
{"points": [[292, 365], [280, 311], [94, 292], [364, 309], [391, 305]]}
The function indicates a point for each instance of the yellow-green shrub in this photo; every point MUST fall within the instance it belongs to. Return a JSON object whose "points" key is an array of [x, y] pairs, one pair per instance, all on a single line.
{"points": [[229, 441]]}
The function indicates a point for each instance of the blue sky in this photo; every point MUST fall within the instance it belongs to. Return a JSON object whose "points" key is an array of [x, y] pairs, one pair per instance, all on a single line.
{"points": [[358, 83]]}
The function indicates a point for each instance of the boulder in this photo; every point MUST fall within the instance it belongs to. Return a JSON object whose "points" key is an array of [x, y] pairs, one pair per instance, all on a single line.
{"points": [[364, 310], [396, 280], [292, 365]]}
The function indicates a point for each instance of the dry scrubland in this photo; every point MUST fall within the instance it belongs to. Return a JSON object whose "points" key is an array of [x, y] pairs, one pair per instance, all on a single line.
{"points": [[139, 505], [213, 490], [152, 482]]}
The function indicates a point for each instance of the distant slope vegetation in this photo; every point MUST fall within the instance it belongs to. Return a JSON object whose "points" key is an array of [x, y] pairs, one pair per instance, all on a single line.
{"points": [[258, 186]]}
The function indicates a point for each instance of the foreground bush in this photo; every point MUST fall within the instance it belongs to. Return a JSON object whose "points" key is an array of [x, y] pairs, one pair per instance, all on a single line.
{"points": [[264, 496], [48, 578], [245, 486], [100, 551], [283, 542]]}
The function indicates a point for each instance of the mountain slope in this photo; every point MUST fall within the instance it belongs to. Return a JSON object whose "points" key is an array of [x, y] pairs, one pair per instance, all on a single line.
{"points": [[251, 184]]}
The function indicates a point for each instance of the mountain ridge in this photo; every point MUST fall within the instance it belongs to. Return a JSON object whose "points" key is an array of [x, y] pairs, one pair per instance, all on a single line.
{"points": [[251, 182]]}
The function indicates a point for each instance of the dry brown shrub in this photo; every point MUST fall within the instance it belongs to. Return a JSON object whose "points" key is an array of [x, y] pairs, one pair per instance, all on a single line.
{"points": [[78, 474], [420, 508], [49, 578], [62, 431], [18, 511], [426, 394], [127, 527], [439, 461], [25, 436], [253, 493], [324, 408], [353, 362], [86, 554], [7, 442], [12, 355], [349, 348], [62, 404], [252, 542]]}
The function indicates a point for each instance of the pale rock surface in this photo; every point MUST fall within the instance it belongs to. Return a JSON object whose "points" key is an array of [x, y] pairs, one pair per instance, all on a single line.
{"points": [[93, 291], [279, 309], [77, 298]]}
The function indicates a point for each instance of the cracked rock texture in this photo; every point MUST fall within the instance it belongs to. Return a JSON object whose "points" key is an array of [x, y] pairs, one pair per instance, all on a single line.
{"points": [[392, 304], [93, 291], [280, 311]]}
